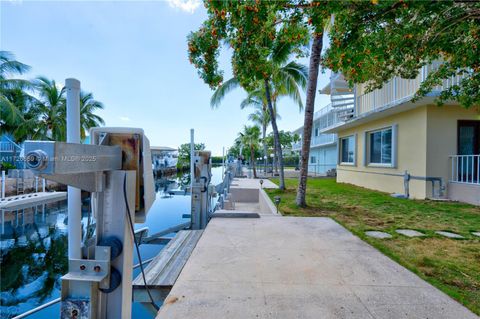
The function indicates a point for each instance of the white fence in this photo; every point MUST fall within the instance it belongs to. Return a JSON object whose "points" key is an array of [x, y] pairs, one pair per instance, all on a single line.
{"points": [[7, 147], [465, 169], [323, 139], [321, 169]]}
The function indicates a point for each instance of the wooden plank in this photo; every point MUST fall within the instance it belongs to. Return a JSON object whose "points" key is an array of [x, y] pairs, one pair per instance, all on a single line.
{"points": [[170, 274], [163, 271], [157, 265]]}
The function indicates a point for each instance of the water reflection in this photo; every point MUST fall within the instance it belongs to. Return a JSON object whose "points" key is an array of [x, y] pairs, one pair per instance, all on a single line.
{"points": [[33, 256], [33, 247]]}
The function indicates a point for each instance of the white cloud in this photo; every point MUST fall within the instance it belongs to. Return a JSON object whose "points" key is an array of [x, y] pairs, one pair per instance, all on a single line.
{"points": [[185, 5], [124, 119]]}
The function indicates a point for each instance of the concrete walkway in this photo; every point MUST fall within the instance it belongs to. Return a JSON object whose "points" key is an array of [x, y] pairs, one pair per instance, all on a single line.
{"points": [[293, 267]]}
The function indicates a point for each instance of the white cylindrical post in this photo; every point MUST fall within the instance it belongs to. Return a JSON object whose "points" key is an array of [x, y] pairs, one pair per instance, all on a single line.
{"points": [[43, 184], [192, 154], [74, 195], [4, 182], [223, 160], [36, 184]]}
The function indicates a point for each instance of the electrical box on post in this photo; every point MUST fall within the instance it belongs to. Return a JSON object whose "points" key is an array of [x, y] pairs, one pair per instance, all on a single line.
{"points": [[136, 156]]}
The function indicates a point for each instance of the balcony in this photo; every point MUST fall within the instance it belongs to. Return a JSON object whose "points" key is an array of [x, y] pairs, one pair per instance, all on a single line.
{"points": [[323, 139], [297, 146], [465, 169], [464, 180], [323, 119], [397, 91]]}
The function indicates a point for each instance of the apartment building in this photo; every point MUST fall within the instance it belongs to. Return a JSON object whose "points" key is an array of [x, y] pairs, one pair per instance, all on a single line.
{"points": [[388, 143]]}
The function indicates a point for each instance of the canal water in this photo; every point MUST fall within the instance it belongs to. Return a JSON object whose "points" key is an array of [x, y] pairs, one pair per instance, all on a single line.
{"points": [[33, 244]]}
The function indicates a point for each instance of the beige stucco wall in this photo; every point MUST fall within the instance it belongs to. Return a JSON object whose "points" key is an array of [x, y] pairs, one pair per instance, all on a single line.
{"points": [[464, 193], [427, 135], [442, 125], [411, 156]]}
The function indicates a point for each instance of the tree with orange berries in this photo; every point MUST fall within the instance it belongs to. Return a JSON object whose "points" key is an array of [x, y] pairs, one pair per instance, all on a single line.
{"points": [[372, 42], [255, 30]]}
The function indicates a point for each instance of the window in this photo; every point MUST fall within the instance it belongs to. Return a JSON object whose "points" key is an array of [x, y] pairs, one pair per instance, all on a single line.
{"points": [[381, 147], [347, 150], [317, 131], [313, 160]]}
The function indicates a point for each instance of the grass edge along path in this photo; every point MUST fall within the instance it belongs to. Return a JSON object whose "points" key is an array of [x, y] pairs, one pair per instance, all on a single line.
{"points": [[451, 265]]}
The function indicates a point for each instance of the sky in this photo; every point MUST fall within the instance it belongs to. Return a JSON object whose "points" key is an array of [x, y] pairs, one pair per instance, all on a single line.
{"points": [[132, 55]]}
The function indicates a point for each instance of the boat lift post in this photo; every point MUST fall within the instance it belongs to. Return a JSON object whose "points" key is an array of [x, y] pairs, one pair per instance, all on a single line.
{"points": [[200, 189], [74, 194], [117, 171], [192, 151], [4, 182], [223, 160]]}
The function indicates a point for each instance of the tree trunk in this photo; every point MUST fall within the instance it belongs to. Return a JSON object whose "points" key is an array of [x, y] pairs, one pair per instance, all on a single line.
{"points": [[265, 151], [276, 136], [315, 56], [252, 159]]}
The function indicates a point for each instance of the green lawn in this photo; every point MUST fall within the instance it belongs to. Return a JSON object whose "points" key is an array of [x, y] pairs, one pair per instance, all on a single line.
{"points": [[451, 265]]}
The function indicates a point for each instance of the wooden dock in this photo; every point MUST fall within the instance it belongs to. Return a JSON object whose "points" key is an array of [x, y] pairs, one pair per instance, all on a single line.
{"points": [[29, 200], [162, 272], [293, 267]]}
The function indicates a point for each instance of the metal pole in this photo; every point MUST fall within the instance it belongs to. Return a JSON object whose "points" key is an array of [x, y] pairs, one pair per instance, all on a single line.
{"points": [[74, 200], [43, 185], [36, 184], [192, 154], [4, 181], [34, 310]]}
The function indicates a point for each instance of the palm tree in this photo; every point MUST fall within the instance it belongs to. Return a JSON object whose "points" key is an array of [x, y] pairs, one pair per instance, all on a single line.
{"points": [[315, 56], [88, 119], [14, 99], [43, 117], [50, 110], [260, 116], [286, 80], [249, 139]]}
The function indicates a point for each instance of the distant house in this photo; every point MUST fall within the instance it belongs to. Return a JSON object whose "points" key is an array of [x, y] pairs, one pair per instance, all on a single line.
{"points": [[9, 150], [323, 146], [388, 143], [163, 158]]}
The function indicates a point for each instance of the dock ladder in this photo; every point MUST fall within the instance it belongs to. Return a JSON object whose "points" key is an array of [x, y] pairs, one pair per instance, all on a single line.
{"points": [[20, 183]]}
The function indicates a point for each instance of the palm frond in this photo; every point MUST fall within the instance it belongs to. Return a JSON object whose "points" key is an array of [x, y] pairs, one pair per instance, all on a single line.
{"points": [[298, 72], [223, 90], [8, 65], [281, 52], [253, 98]]}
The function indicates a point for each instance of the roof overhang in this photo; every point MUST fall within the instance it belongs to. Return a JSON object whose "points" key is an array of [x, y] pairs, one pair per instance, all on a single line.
{"points": [[162, 149], [323, 145], [338, 82]]}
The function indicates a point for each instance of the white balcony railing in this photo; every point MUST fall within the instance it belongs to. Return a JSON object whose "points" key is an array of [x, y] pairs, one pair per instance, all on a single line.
{"points": [[323, 139], [399, 90], [297, 146], [9, 147], [465, 169], [323, 111]]}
